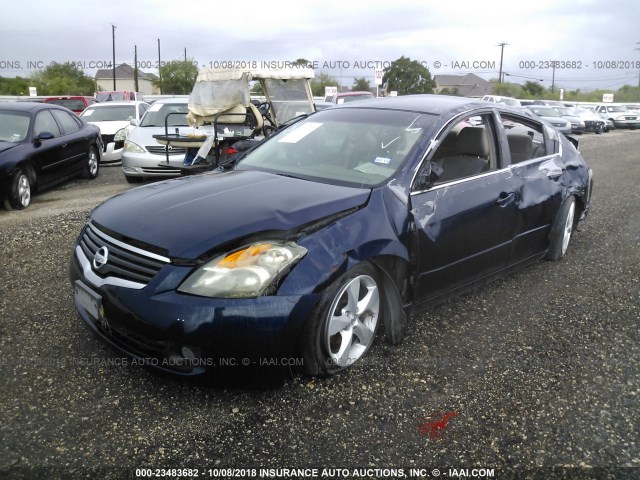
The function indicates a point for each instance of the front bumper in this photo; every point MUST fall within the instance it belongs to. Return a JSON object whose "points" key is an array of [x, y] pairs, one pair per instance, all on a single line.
{"points": [[111, 154], [631, 124], [151, 165], [190, 335]]}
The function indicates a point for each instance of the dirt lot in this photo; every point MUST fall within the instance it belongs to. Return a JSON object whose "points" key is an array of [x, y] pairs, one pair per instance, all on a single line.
{"points": [[542, 369]]}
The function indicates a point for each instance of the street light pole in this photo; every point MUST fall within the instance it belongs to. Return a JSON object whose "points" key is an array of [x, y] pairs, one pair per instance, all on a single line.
{"points": [[501, 45], [159, 69], [113, 39], [638, 43]]}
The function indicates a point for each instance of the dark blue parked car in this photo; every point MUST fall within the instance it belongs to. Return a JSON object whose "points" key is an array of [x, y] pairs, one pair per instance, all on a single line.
{"points": [[42, 145], [335, 228]]}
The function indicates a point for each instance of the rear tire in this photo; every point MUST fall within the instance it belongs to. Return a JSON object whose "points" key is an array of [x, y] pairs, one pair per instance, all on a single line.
{"points": [[562, 229], [92, 167], [19, 194]]}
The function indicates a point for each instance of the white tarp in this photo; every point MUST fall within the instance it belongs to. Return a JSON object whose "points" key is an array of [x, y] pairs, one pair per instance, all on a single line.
{"points": [[218, 90]]}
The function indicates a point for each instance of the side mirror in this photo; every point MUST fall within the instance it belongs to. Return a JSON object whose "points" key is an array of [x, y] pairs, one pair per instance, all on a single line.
{"points": [[133, 122], [43, 136]]}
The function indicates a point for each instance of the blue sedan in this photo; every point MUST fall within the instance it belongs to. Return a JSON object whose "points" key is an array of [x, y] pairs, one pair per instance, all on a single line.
{"points": [[334, 230], [42, 145]]}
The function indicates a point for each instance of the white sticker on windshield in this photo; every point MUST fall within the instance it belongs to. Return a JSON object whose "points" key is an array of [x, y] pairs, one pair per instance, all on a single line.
{"points": [[300, 132], [383, 160], [87, 113], [155, 107]]}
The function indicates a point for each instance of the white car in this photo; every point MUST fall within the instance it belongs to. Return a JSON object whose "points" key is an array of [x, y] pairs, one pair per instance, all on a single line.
{"points": [[110, 117], [512, 102], [143, 156], [619, 115]]}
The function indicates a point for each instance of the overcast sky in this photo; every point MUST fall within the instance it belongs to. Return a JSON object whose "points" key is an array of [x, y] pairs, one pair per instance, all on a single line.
{"points": [[598, 36]]}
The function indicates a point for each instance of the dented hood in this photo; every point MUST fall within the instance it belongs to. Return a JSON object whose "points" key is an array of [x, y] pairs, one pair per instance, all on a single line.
{"points": [[192, 215]]}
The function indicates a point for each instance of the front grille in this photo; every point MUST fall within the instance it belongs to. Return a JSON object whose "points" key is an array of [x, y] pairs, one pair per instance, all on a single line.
{"points": [[161, 170], [123, 261], [160, 150]]}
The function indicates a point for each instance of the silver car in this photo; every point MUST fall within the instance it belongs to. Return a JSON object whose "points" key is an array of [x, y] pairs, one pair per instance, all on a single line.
{"points": [[549, 115], [143, 156]]}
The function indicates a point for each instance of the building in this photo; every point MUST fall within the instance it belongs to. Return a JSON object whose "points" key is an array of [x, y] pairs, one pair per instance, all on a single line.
{"points": [[124, 80], [468, 85]]}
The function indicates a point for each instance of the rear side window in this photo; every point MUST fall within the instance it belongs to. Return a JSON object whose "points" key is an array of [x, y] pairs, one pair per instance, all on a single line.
{"points": [[68, 122], [525, 138]]}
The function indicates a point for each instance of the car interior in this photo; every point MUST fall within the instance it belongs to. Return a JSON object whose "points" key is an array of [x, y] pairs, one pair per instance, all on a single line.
{"points": [[466, 150]]}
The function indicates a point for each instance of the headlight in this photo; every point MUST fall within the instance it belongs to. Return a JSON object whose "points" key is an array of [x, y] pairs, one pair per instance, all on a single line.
{"points": [[121, 135], [132, 147], [244, 273]]}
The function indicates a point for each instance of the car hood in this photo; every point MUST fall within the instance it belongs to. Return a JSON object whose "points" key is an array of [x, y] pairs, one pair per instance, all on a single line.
{"points": [[189, 216], [6, 146], [110, 128]]}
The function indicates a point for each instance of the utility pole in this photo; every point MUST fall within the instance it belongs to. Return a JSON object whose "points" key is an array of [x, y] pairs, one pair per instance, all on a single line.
{"points": [[135, 68], [501, 45], [637, 43], [159, 69], [113, 40], [185, 54]]}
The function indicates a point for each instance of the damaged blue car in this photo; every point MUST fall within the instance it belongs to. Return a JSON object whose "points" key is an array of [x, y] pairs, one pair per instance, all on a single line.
{"points": [[331, 232]]}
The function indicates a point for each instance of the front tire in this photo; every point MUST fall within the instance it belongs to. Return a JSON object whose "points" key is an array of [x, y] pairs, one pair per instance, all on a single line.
{"points": [[345, 323], [562, 229], [92, 167], [19, 194]]}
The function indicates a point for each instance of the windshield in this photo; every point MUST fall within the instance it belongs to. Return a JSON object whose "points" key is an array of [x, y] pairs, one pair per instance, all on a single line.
{"points": [[353, 98], [361, 147], [545, 111], [74, 104], [289, 98], [110, 113], [157, 113], [617, 109], [112, 96], [14, 126], [510, 101]]}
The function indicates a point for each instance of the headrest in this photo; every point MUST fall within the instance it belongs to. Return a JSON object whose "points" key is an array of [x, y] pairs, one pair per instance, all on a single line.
{"points": [[473, 141]]}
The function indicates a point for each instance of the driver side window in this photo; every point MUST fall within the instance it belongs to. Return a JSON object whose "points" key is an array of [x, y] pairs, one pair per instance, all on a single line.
{"points": [[465, 150], [45, 123]]}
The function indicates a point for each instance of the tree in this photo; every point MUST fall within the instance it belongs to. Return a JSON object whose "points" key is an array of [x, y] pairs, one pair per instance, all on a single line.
{"points": [[407, 76], [361, 84], [507, 90], [178, 77], [14, 86], [533, 88], [449, 91], [318, 84], [63, 79]]}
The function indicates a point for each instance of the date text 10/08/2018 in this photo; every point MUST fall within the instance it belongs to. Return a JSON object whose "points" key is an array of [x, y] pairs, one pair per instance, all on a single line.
{"points": [[579, 64]]}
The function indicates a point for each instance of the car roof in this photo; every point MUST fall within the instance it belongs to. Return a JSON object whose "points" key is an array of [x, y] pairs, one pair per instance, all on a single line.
{"points": [[115, 104], [28, 106], [173, 100], [428, 103], [64, 97], [349, 94]]}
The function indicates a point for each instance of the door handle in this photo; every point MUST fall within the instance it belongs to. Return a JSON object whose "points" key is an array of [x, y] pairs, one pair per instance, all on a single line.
{"points": [[64, 145], [505, 198]]}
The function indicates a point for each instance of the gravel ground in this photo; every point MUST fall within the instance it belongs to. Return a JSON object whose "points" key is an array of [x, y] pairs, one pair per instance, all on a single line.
{"points": [[542, 369]]}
